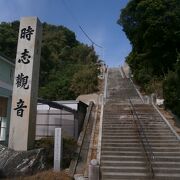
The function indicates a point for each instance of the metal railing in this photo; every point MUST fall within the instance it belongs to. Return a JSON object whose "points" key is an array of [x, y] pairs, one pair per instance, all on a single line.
{"points": [[146, 145]]}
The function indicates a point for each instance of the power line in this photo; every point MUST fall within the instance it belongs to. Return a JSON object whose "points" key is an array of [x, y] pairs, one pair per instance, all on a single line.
{"points": [[70, 12], [93, 43], [80, 27]]}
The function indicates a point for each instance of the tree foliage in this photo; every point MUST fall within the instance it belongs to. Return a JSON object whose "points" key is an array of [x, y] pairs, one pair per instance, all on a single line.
{"points": [[63, 58], [153, 28], [171, 89], [82, 80], [8, 38]]}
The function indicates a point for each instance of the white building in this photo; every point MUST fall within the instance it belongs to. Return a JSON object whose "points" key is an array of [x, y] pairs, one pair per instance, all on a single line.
{"points": [[70, 120], [6, 85]]}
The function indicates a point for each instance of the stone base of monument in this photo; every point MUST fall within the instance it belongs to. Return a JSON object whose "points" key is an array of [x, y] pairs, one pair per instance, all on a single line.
{"points": [[14, 163]]}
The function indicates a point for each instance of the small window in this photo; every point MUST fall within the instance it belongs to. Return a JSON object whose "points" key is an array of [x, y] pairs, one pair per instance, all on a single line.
{"points": [[3, 106]]}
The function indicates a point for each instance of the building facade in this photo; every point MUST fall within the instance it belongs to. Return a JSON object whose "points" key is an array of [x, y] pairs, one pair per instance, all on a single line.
{"points": [[6, 85]]}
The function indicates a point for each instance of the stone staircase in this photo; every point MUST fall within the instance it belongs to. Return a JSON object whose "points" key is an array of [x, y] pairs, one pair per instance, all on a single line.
{"points": [[124, 150]]}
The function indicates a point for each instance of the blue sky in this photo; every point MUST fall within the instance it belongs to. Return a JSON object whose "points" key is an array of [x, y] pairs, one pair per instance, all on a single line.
{"points": [[97, 17]]}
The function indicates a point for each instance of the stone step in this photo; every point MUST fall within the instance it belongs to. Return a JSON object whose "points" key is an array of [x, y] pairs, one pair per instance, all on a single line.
{"points": [[119, 128], [127, 113], [118, 115], [140, 158], [124, 126], [139, 169], [136, 134], [134, 130], [167, 149], [124, 144], [123, 169], [119, 123], [167, 158], [138, 148], [121, 140], [158, 176], [139, 163], [119, 131], [165, 164], [124, 175], [134, 153], [133, 133], [162, 134], [116, 135], [138, 140], [128, 116], [118, 151], [169, 170], [164, 144], [138, 143], [117, 119], [167, 176], [120, 136], [129, 132], [156, 144], [131, 163], [123, 158], [147, 127], [122, 116]]}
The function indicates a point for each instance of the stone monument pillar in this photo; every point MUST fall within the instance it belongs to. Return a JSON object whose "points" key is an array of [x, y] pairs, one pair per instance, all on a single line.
{"points": [[57, 149], [25, 88]]}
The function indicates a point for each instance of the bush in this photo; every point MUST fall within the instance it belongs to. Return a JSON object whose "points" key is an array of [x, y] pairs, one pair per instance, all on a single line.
{"points": [[48, 145], [69, 147], [85, 81], [171, 89]]}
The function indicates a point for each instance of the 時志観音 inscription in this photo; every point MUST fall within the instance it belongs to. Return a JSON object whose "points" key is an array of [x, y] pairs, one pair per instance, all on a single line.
{"points": [[26, 33], [20, 108], [22, 81], [25, 57]]}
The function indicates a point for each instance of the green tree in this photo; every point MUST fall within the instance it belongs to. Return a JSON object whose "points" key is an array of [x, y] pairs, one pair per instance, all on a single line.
{"points": [[85, 80], [171, 89], [153, 28], [8, 38]]}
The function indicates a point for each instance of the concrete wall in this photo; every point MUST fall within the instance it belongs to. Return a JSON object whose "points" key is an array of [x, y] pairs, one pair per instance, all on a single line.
{"points": [[48, 120]]}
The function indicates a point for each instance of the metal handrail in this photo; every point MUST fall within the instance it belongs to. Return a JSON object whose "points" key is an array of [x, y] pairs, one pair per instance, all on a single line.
{"points": [[147, 147]]}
